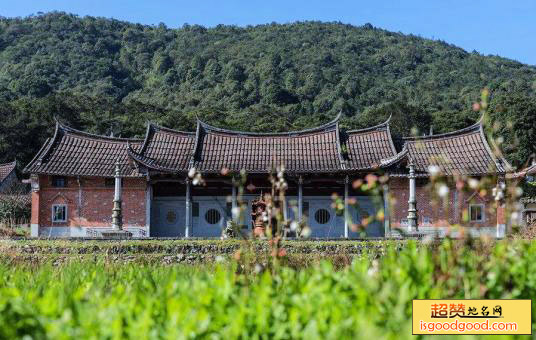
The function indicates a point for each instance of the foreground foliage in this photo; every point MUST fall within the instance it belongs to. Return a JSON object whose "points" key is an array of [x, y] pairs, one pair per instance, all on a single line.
{"points": [[370, 298]]}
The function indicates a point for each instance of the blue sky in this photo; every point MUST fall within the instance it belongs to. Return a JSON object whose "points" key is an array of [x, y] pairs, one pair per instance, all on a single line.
{"points": [[505, 28]]}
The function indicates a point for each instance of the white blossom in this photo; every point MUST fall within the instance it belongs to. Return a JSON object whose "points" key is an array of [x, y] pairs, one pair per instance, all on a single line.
{"points": [[191, 173], [443, 190], [235, 211], [306, 232], [473, 183], [433, 170]]}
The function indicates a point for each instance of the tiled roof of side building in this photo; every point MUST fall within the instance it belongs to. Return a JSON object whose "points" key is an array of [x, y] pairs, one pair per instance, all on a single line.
{"points": [[6, 169], [462, 152], [366, 148], [76, 153]]}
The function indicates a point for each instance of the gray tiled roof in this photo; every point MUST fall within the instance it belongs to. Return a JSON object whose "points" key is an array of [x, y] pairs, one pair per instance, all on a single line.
{"points": [[367, 147], [462, 152], [77, 153], [323, 149], [313, 150], [166, 149], [6, 169]]}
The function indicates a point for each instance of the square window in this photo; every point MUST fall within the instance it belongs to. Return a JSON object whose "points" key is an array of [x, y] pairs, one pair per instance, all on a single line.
{"points": [[59, 213], [476, 212], [426, 221], [59, 181]]}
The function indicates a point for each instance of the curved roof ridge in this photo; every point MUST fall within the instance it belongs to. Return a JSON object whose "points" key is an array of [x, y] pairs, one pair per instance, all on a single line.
{"points": [[342, 161], [394, 159], [472, 128], [166, 129], [95, 136], [37, 156], [51, 142], [146, 161], [375, 127], [323, 127], [497, 156]]}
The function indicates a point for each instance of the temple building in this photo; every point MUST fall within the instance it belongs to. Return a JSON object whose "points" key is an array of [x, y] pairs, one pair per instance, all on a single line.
{"points": [[76, 174]]}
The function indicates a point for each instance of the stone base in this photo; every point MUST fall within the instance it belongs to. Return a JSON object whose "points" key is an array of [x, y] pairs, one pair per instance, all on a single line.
{"points": [[116, 234]]}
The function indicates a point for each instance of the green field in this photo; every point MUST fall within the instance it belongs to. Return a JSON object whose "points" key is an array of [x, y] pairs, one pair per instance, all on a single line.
{"points": [[247, 295]]}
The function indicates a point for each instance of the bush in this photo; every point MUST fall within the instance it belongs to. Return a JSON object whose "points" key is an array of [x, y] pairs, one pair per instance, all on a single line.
{"points": [[14, 209], [369, 298]]}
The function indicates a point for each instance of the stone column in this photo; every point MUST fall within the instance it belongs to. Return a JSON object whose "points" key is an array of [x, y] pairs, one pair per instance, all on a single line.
{"points": [[498, 193], [148, 206], [117, 218], [346, 212], [188, 209], [300, 199], [234, 204], [412, 210]]}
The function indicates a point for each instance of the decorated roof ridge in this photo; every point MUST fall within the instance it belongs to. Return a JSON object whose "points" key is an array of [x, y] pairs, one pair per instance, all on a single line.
{"points": [[196, 149], [471, 128], [372, 128], [496, 154], [37, 156], [394, 159], [155, 126], [146, 161], [339, 142], [324, 127], [65, 128]]}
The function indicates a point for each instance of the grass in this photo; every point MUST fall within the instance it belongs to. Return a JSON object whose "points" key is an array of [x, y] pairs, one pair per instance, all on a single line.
{"points": [[370, 298]]}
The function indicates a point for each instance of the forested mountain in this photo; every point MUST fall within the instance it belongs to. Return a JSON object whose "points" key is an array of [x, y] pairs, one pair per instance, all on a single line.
{"points": [[109, 76]]}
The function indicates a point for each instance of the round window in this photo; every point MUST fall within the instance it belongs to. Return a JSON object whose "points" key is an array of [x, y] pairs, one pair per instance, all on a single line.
{"points": [[212, 216], [322, 216]]}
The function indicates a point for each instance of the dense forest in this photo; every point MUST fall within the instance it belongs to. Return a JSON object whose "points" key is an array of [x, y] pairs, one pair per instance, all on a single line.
{"points": [[111, 77]]}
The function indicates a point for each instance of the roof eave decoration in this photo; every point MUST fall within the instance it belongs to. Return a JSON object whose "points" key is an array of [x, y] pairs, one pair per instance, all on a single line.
{"points": [[147, 162], [375, 127], [327, 126], [397, 158], [500, 161], [339, 141]]}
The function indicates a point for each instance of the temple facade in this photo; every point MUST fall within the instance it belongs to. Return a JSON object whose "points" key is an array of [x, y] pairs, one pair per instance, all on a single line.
{"points": [[76, 175]]}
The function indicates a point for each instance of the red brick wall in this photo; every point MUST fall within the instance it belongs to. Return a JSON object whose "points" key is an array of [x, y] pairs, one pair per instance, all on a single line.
{"points": [[93, 208], [442, 211]]}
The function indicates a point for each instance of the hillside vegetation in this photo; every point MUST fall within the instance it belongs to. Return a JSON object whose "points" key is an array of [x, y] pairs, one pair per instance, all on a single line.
{"points": [[108, 76]]}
